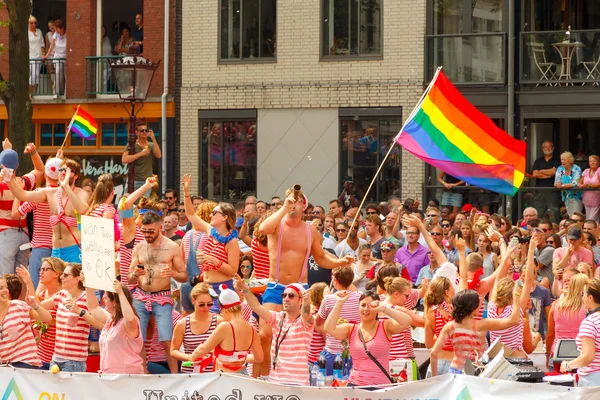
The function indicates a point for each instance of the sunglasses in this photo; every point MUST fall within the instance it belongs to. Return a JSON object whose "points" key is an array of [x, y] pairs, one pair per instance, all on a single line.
{"points": [[204, 305], [65, 274], [44, 269], [549, 241], [215, 212], [372, 213], [169, 198], [182, 210], [144, 130], [341, 230], [436, 233], [432, 215], [246, 266], [445, 225], [150, 231], [288, 295], [62, 169], [412, 233]]}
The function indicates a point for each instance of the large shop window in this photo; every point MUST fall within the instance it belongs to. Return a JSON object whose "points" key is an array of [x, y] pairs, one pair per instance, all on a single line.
{"points": [[228, 140], [366, 136], [352, 28], [467, 38], [247, 29]]}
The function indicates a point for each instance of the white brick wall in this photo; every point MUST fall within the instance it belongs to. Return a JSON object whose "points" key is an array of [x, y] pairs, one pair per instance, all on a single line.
{"points": [[299, 79]]}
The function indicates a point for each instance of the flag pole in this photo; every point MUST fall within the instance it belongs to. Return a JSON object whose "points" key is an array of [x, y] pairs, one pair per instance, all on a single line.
{"points": [[69, 128], [410, 116]]}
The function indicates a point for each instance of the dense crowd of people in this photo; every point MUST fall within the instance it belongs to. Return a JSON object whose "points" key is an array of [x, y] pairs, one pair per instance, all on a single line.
{"points": [[283, 290]]}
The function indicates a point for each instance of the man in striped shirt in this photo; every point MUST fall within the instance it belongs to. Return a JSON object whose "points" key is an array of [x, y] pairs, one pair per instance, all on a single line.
{"points": [[292, 332]]}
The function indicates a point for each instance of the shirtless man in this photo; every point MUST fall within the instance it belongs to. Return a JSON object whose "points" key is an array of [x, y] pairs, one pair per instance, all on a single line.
{"points": [[63, 201], [290, 242], [156, 260]]}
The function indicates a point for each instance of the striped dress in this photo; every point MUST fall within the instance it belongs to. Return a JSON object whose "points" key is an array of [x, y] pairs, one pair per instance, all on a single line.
{"points": [[364, 370], [192, 340], [317, 344], [45, 348], [17, 343], [71, 341], [260, 261], [511, 337]]}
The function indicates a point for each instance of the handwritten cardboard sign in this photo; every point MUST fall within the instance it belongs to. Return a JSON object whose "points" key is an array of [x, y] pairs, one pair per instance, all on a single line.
{"points": [[98, 252]]}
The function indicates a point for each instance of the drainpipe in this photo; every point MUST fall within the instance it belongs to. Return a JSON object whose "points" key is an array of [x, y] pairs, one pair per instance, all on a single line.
{"points": [[511, 84], [163, 99]]}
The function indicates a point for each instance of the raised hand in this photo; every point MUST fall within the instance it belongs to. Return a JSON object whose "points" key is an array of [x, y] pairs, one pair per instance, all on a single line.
{"points": [[186, 181], [29, 148], [342, 296]]}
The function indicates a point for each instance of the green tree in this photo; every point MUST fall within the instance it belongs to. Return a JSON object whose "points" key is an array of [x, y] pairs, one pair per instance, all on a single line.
{"points": [[15, 91]]}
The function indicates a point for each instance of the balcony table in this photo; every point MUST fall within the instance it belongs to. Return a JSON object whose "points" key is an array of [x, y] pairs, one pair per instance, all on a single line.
{"points": [[566, 50]]}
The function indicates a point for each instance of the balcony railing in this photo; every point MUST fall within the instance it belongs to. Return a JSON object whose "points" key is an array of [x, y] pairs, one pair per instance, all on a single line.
{"points": [[555, 58], [100, 80], [468, 59], [47, 77]]}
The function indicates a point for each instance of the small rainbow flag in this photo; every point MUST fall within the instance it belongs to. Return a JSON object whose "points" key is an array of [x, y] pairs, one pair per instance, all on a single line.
{"points": [[83, 124], [448, 132]]}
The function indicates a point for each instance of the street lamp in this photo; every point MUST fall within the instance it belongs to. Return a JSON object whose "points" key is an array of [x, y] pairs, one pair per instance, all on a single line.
{"points": [[133, 76]]}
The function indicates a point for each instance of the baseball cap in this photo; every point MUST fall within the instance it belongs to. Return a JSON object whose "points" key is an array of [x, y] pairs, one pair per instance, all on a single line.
{"points": [[574, 234], [9, 158], [467, 208], [387, 245]]}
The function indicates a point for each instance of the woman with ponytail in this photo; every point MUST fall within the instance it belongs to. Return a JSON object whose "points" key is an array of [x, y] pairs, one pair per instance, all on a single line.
{"points": [[438, 312]]}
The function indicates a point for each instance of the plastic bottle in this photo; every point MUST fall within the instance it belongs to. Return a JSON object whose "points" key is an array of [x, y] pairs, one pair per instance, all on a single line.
{"points": [[320, 379], [322, 363], [338, 367], [314, 372]]}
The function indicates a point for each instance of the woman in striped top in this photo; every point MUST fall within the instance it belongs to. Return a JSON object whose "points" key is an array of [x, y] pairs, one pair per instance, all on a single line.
{"points": [[318, 291], [50, 279], [588, 339], [258, 246], [72, 329], [466, 332], [101, 199], [566, 314], [220, 256], [17, 343], [195, 329], [502, 302], [438, 312], [372, 333]]}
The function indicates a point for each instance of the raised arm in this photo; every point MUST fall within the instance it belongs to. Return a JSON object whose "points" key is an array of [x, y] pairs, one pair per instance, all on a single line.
{"points": [[342, 331], [529, 283], [38, 164], [94, 308], [492, 324], [272, 222], [397, 321], [156, 148], [252, 301], [438, 254], [324, 258], [487, 284], [133, 197], [16, 187], [190, 212], [79, 201], [463, 268]]}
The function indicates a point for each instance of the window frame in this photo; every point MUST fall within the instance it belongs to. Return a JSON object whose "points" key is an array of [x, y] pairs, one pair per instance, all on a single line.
{"points": [[351, 57], [222, 117], [255, 60], [366, 113]]}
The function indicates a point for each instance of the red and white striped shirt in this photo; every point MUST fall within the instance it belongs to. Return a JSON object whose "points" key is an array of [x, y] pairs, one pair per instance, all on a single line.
{"points": [[192, 340], [126, 255], [291, 365], [246, 312], [317, 344], [440, 321], [42, 230], [364, 370], [215, 249], [252, 321], [99, 211], [260, 261], [154, 349], [590, 328], [18, 342], [350, 314], [511, 337], [45, 349], [71, 341], [398, 351], [6, 203]]}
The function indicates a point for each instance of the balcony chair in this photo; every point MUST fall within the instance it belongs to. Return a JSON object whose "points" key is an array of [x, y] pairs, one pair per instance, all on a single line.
{"points": [[547, 69], [592, 70]]}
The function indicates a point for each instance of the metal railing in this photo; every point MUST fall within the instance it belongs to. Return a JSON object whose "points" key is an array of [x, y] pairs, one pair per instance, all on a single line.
{"points": [[47, 77], [99, 78], [468, 59], [558, 58]]}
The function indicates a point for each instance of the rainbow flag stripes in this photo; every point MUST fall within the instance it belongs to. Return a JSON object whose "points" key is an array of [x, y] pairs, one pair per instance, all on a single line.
{"points": [[83, 124], [449, 133]]}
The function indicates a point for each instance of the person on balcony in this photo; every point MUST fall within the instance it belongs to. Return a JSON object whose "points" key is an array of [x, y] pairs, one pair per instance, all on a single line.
{"points": [[138, 34], [125, 42], [544, 170], [590, 179], [107, 51], [567, 178], [36, 52], [58, 52]]}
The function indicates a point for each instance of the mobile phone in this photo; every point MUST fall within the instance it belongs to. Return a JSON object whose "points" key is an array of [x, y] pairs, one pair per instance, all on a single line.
{"points": [[140, 266], [514, 241]]}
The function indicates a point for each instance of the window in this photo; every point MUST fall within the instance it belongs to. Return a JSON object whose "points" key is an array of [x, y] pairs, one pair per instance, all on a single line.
{"points": [[228, 154], [247, 29], [114, 134], [352, 28], [52, 134], [366, 136], [468, 39]]}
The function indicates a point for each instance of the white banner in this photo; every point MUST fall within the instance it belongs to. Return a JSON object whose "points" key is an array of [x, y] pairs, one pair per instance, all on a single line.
{"points": [[98, 252], [42, 385]]}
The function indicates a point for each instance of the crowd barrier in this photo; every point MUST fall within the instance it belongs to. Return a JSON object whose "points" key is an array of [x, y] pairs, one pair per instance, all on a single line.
{"points": [[17, 384]]}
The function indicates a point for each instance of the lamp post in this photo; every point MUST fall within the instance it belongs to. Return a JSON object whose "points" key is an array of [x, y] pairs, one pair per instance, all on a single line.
{"points": [[133, 76]]}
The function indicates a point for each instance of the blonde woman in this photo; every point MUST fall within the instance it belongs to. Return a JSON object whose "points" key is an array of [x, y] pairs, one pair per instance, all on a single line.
{"points": [[566, 179], [590, 179], [566, 314], [466, 229], [490, 259]]}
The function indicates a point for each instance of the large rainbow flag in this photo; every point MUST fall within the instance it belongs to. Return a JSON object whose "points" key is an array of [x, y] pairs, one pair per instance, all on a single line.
{"points": [[446, 131], [83, 124]]}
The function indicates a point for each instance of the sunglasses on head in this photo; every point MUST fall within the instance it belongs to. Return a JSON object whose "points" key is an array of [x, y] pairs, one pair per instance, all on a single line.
{"points": [[288, 295]]}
